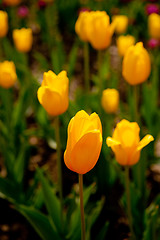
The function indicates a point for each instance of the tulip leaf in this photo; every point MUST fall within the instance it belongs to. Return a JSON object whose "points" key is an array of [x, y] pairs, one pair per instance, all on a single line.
{"points": [[9, 190], [51, 200], [75, 221], [152, 220], [41, 59], [40, 222]]}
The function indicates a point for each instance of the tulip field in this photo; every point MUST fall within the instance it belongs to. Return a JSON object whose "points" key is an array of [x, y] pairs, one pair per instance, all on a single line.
{"points": [[79, 120]]}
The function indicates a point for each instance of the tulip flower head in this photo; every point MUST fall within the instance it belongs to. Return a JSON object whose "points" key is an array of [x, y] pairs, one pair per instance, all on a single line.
{"points": [[84, 142], [82, 26], [7, 74], [53, 93], [136, 66], [23, 39], [11, 2], [3, 24], [154, 25], [126, 143], [123, 43], [101, 31], [110, 100], [121, 23]]}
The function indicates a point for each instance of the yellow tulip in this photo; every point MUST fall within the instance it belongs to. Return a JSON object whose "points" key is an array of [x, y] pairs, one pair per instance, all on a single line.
{"points": [[23, 39], [3, 24], [100, 31], [126, 143], [84, 142], [82, 26], [7, 74], [110, 100], [53, 93], [136, 65], [154, 25], [121, 23], [123, 43], [11, 2]]}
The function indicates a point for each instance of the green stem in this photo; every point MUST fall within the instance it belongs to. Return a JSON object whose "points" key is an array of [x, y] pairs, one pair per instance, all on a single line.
{"points": [[86, 66], [59, 165], [128, 198], [81, 206], [136, 102], [99, 72]]}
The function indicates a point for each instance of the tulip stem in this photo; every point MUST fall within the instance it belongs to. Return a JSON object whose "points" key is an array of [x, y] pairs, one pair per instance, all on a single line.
{"points": [[99, 72], [59, 165], [86, 66], [128, 199], [81, 206], [136, 99]]}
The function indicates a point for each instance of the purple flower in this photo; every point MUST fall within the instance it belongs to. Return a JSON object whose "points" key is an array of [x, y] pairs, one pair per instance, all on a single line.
{"points": [[153, 43], [23, 11], [152, 8]]}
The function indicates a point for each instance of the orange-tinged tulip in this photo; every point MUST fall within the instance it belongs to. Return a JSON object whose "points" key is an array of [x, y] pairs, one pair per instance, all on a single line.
{"points": [[101, 31], [3, 24], [121, 23], [126, 143], [154, 25], [23, 39], [11, 2], [53, 93], [84, 142], [7, 74], [82, 26], [110, 100], [136, 65], [123, 43]]}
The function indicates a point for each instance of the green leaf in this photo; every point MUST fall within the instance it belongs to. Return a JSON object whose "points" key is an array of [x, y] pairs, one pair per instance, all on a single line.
{"points": [[40, 222], [51, 200], [41, 60], [8, 190], [75, 222]]}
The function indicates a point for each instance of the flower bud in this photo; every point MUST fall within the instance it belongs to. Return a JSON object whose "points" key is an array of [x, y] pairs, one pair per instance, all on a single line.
{"points": [[7, 74], [126, 143], [100, 31], [136, 66], [82, 26], [53, 93], [110, 100], [3, 24], [121, 23], [123, 43], [154, 25], [84, 142], [23, 39]]}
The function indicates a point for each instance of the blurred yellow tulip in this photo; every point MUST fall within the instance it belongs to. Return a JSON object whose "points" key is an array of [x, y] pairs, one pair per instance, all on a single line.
{"points": [[53, 93], [121, 23], [126, 143], [123, 43], [23, 39], [136, 66], [82, 26], [84, 142], [11, 2], [100, 31], [7, 74], [3, 24], [110, 100], [154, 25]]}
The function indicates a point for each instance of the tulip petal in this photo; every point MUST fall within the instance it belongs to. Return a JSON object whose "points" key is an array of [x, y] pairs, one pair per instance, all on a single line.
{"points": [[85, 153], [112, 142], [145, 141], [51, 101]]}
